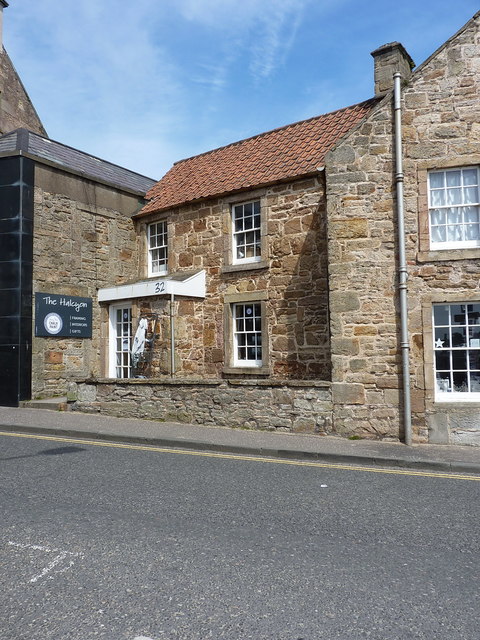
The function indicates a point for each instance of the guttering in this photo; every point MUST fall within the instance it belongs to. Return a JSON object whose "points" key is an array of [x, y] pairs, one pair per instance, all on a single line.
{"points": [[402, 262]]}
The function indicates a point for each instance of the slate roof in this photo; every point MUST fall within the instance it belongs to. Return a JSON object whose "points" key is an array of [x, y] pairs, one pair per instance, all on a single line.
{"points": [[292, 151], [75, 161]]}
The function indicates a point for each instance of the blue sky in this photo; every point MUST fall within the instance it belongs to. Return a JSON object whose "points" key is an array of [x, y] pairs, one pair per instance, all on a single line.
{"points": [[149, 82]]}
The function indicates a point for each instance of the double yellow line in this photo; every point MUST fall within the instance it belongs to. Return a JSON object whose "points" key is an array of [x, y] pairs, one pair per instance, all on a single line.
{"points": [[249, 458]]}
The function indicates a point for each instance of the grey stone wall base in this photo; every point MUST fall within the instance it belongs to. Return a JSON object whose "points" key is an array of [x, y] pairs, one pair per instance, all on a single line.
{"points": [[302, 407]]}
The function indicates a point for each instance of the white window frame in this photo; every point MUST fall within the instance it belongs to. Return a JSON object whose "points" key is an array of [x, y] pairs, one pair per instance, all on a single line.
{"points": [[443, 333], [247, 337], [154, 246], [114, 368], [244, 235], [446, 207]]}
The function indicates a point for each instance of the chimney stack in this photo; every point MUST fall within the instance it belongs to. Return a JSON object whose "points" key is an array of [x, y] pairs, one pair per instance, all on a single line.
{"points": [[389, 59]]}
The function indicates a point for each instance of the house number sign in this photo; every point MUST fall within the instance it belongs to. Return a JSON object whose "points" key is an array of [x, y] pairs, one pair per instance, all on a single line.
{"points": [[63, 316]]}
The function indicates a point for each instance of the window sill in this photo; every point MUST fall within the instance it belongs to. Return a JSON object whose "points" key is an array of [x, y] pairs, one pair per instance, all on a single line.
{"points": [[440, 255], [247, 371], [244, 266]]}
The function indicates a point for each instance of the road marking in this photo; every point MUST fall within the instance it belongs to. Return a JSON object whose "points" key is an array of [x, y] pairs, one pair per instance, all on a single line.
{"points": [[232, 456], [57, 560]]}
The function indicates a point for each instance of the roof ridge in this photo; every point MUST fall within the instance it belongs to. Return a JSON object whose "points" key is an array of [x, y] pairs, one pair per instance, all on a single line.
{"points": [[286, 126], [22, 130]]}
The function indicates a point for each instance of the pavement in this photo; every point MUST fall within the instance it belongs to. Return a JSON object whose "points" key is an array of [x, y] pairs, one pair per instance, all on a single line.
{"points": [[299, 446]]}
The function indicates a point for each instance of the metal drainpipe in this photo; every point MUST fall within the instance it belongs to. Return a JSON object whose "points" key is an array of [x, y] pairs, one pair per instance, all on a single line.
{"points": [[402, 263], [172, 335]]}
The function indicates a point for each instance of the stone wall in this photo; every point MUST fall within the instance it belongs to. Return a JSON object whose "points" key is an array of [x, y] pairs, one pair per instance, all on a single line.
{"points": [[297, 406], [16, 109], [292, 278], [83, 239], [440, 129]]}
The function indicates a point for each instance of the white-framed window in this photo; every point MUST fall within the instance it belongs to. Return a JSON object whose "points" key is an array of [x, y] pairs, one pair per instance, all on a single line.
{"points": [[454, 208], [157, 248], [246, 232], [456, 344], [120, 341], [247, 334]]}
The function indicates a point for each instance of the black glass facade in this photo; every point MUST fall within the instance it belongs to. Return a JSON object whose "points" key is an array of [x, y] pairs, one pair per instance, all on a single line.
{"points": [[16, 271]]}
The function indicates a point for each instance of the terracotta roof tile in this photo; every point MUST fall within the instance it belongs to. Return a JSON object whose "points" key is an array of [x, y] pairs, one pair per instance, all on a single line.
{"points": [[292, 151]]}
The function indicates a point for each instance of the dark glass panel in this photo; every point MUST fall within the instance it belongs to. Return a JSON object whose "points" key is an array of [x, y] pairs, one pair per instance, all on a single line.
{"points": [[442, 360], [441, 314], [442, 338], [473, 312], [460, 382], [459, 336], [459, 360], [457, 313]]}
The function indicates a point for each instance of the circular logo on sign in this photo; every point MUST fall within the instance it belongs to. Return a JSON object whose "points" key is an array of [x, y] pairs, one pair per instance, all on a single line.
{"points": [[53, 323]]}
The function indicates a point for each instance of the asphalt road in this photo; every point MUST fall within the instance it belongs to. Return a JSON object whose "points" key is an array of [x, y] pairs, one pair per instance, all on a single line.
{"points": [[126, 544]]}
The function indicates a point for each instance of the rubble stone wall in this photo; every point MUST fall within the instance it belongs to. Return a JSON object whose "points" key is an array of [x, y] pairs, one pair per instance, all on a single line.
{"points": [[83, 240], [440, 129], [292, 278], [297, 406]]}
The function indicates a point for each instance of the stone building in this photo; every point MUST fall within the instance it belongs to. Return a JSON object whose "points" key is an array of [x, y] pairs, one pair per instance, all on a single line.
{"points": [[441, 157], [65, 230], [16, 108], [296, 232], [265, 281]]}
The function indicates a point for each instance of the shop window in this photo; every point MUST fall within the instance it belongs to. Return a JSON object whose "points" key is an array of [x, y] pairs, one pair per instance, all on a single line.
{"points": [[456, 347], [120, 365], [157, 248], [454, 208]]}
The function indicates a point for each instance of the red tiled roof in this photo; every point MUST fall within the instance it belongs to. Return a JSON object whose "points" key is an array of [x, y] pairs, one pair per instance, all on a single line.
{"points": [[275, 156]]}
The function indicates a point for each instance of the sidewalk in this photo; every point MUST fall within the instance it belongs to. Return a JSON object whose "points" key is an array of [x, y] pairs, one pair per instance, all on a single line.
{"points": [[264, 443]]}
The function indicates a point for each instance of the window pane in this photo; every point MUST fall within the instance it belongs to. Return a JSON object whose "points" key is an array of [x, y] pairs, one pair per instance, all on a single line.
{"points": [[441, 315], [454, 216], [437, 198], [439, 234], [472, 232], [454, 234], [470, 194], [436, 180], [437, 216], [248, 209], [442, 360], [475, 381], [453, 178], [443, 382], [457, 314], [474, 359], [442, 338], [459, 337], [454, 196], [459, 360], [470, 176], [470, 214], [460, 382], [473, 312]]}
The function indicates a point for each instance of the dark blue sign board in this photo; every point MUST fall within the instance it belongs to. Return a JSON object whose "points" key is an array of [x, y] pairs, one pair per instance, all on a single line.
{"points": [[63, 316]]}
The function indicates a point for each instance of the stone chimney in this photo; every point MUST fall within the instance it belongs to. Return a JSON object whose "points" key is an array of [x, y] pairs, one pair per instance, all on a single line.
{"points": [[3, 4], [388, 59]]}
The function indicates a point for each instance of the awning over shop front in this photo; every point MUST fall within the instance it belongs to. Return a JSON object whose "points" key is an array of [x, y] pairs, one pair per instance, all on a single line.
{"points": [[190, 284]]}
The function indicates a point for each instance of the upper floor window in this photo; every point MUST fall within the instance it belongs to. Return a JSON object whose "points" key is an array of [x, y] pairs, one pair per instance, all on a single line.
{"points": [[157, 248], [457, 351], [247, 237], [454, 208]]}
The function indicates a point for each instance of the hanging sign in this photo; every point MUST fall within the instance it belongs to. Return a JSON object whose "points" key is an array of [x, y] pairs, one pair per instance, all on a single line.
{"points": [[63, 316]]}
